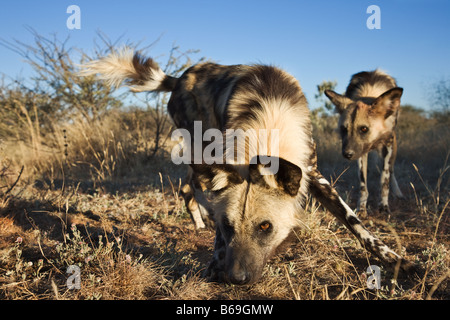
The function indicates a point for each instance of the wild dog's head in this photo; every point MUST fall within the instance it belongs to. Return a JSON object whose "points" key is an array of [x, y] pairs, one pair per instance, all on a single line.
{"points": [[253, 215], [365, 121]]}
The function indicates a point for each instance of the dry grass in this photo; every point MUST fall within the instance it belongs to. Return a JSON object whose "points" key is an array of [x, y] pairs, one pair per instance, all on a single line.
{"points": [[133, 240], [93, 193], [128, 247]]}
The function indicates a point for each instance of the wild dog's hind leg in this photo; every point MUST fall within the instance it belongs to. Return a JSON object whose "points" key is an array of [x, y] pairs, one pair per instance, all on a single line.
{"points": [[196, 202]]}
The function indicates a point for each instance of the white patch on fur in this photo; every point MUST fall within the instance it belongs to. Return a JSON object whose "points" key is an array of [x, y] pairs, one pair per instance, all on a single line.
{"points": [[290, 124], [377, 128], [114, 68], [220, 181], [197, 217], [384, 250], [374, 90], [348, 210], [157, 77]]}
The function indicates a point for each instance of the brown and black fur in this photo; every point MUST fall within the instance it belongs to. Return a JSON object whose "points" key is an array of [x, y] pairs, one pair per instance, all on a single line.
{"points": [[254, 210], [368, 116]]}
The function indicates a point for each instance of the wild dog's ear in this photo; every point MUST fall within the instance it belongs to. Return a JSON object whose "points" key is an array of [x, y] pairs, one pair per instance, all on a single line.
{"points": [[340, 101], [216, 177], [388, 102], [276, 173]]}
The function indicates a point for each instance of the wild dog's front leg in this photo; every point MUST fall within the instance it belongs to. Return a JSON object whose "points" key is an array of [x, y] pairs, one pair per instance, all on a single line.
{"points": [[215, 269], [388, 167], [196, 202], [363, 191], [329, 198]]}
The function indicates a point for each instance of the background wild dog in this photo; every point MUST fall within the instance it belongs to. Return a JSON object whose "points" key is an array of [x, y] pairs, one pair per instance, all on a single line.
{"points": [[368, 116], [255, 209]]}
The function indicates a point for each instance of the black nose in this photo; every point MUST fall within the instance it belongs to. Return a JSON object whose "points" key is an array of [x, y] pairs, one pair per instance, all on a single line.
{"points": [[348, 154], [239, 277]]}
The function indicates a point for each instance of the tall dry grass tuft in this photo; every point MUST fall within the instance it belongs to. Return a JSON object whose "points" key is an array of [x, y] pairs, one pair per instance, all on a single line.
{"points": [[99, 150], [64, 125]]}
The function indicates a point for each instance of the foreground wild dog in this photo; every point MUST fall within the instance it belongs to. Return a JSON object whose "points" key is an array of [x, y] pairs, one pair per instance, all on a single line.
{"points": [[368, 117], [255, 209]]}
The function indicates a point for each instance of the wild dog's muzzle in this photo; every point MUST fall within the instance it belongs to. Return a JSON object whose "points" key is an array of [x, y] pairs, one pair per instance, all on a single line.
{"points": [[233, 263], [243, 266]]}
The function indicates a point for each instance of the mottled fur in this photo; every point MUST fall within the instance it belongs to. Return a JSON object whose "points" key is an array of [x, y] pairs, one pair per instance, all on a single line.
{"points": [[254, 210], [368, 116]]}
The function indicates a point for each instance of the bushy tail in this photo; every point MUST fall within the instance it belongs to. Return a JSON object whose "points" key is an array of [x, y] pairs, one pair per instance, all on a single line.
{"points": [[129, 67]]}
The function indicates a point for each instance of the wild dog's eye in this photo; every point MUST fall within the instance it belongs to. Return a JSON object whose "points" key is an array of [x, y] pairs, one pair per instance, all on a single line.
{"points": [[363, 129], [265, 226]]}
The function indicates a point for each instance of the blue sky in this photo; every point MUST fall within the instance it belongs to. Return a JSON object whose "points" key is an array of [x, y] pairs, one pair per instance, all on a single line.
{"points": [[313, 40]]}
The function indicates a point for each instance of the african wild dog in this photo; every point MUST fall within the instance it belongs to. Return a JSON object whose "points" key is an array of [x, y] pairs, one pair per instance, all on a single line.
{"points": [[368, 116], [254, 211]]}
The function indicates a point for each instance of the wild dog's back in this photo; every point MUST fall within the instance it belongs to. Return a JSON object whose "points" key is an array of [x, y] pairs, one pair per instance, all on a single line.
{"points": [[202, 93], [247, 99], [268, 98]]}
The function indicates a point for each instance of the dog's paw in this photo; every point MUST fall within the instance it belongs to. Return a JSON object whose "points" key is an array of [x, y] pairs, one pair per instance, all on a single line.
{"points": [[411, 269]]}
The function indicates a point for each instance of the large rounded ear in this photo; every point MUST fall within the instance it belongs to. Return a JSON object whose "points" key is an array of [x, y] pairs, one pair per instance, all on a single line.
{"points": [[388, 102], [274, 172], [341, 102], [216, 177]]}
